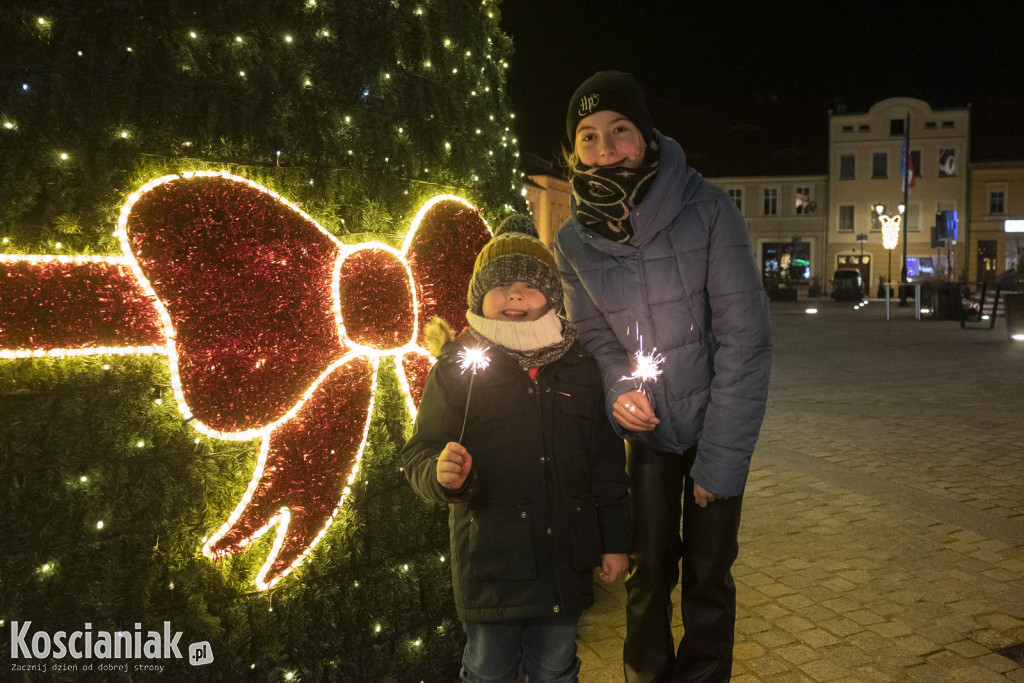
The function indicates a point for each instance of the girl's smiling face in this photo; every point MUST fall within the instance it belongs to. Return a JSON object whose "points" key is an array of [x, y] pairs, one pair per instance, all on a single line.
{"points": [[515, 301], [608, 139]]}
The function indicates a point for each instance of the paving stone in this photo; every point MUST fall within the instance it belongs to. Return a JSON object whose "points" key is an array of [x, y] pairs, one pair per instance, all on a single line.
{"points": [[747, 650], [997, 663], [774, 638], [977, 674], [848, 655], [930, 673], [824, 670], [767, 666], [817, 638], [865, 617], [891, 629], [917, 645], [797, 654], [744, 678], [750, 625], [968, 648], [1000, 621]]}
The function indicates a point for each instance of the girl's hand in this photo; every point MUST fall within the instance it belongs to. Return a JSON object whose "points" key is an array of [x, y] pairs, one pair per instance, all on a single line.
{"points": [[633, 412], [702, 496]]}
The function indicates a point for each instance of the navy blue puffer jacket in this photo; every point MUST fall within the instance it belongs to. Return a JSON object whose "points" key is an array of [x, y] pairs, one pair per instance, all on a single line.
{"points": [[687, 282]]}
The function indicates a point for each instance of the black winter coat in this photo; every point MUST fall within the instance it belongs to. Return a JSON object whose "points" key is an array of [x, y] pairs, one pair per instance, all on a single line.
{"points": [[547, 493]]}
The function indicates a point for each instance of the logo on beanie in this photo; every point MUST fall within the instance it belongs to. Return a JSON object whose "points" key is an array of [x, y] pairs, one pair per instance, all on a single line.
{"points": [[588, 103]]}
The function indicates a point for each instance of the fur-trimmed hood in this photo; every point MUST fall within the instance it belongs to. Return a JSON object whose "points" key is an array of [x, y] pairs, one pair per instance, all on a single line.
{"points": [[436, 334]]}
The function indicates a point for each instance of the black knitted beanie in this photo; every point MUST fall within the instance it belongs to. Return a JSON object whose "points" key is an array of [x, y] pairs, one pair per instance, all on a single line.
{"points": [[609, 90]]}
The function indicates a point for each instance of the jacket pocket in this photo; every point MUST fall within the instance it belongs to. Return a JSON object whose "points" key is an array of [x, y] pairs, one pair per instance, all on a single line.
{"points": [[501, 544], [584, 535]]}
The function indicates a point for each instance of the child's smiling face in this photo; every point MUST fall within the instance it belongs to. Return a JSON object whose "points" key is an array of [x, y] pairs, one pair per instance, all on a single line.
{"points": [[515, 301]]}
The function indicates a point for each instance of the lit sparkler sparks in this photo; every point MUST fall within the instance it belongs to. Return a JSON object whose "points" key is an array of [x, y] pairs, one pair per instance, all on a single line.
{"points": [[647, 366], [474, 359]]}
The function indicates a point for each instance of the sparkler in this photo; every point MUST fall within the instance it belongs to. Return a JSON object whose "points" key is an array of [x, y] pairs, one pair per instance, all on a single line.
{"points": [[647, 366], [474, 359]]}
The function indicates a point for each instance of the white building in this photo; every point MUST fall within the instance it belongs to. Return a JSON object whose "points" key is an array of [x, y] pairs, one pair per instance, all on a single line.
{"points": [[865, 152]]}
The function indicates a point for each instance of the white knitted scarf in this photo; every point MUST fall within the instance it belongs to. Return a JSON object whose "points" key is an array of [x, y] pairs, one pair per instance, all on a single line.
{"points": [[533, 344], [527, 335]]}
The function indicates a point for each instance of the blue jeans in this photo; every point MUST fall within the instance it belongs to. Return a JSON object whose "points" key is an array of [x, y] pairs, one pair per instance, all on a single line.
{"points": [[544, 650]]}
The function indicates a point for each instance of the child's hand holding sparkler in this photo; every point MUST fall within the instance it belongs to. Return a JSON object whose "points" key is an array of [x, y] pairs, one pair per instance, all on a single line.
{"points": [[633, 412], [453, 466]]}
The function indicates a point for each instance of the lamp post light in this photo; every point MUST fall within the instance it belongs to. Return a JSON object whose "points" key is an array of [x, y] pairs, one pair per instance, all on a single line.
{"points": [[890, 230]]}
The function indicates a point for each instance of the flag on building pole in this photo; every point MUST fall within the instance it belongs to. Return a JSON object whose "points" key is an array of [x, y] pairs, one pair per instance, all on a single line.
{"points": [[907, 163]]}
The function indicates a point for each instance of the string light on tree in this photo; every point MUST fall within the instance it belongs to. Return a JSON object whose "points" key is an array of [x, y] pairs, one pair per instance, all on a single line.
{"points": [[196, 112]]}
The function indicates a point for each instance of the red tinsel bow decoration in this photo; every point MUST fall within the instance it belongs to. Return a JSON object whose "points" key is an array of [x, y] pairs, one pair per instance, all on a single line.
{"points": [[275, 329]]}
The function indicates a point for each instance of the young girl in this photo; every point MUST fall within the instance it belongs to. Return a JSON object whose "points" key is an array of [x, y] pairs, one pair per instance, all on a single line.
{"points": [[655, 257], [536, 485]]}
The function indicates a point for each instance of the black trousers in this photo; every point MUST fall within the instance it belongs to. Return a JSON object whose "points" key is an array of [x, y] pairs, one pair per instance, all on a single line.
{"points": [[706, 545]]}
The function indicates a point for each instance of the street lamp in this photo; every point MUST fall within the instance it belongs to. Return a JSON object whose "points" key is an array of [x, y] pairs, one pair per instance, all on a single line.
{"points": [[890, 230]]}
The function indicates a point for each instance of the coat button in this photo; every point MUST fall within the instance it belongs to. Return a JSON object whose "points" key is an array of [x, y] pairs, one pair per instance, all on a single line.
{"points": [[555, 608], [530, 390], [523, 515], [550, 531], [547, 390]]}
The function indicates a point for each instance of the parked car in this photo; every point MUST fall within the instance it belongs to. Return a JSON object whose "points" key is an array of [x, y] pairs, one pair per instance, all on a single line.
{"points": [[847, 285]]}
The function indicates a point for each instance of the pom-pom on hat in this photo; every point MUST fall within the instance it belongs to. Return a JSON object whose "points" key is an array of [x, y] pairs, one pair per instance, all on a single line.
{"points": [[515, 254], [609, 90]]}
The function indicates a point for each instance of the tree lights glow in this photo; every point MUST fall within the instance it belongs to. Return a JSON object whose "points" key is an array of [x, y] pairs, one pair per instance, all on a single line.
{"points": [[180, 98]]}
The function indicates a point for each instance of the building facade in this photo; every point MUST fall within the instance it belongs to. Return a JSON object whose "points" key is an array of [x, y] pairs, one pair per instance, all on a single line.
{"points": [[865, 171], [547, 198], [786, 217], [995, 235]]}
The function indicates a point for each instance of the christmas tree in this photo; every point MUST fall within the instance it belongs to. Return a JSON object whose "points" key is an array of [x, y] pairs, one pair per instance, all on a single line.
{"points": [[356, 113]]}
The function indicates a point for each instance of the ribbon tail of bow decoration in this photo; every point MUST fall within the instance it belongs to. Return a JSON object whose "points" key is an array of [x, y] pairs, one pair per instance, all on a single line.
{"points": [[296, 482]]}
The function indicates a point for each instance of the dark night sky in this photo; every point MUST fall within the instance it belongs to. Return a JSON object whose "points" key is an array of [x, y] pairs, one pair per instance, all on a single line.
{"points": [[728, 53]]}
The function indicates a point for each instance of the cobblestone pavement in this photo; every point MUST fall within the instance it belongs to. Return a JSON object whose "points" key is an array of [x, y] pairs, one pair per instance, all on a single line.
{"points": [[883, 523]]}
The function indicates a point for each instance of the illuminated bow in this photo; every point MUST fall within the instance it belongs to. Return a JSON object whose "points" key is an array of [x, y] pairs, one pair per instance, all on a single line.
{"points": [[275, 329]]}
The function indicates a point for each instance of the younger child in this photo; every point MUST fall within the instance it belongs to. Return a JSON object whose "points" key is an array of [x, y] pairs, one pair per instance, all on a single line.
{"points": [[537, 486]]}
